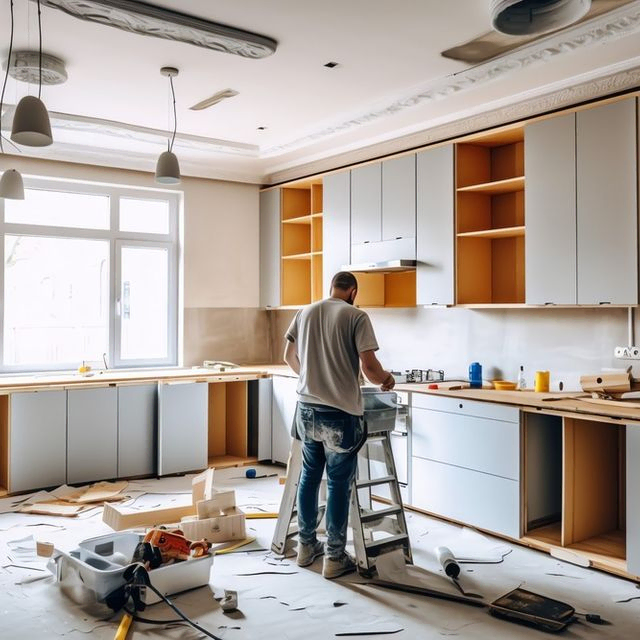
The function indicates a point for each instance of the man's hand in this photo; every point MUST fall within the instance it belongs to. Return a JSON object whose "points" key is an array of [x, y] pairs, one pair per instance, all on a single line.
{"points": [[388, 384]]}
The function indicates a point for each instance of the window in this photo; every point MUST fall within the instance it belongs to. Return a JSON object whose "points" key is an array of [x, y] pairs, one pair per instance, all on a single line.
{"points": [[90, 273]]}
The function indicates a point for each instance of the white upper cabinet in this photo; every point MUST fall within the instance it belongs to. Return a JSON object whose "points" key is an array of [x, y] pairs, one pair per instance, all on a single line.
{"points": [[550, 205], [366, 204], [434, 226], [336, 245], [399, 198], [607, 205], [270, 248]]}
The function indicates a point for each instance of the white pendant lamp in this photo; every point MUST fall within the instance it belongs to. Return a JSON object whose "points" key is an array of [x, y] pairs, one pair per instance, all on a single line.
{"points": [[168, 168], [535, 17], [31, 126], [11, 185]]}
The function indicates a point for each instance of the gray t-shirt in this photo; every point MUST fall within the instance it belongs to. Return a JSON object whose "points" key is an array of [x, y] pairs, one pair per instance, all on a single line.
{"points": [[329, 336]]}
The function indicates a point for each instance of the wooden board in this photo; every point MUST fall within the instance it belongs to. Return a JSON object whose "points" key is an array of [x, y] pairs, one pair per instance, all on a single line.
{"points": [[296, 282], [370, 290], [316, 198], [118, 519], [236, 419], [495, 188], [400, 289], [473, 273], [316, 278], [507, 270], [296, 239], [217, 432], [507, 210], [606, 382], [507, 161], [473, 165], [473, 212], [296, 202]]}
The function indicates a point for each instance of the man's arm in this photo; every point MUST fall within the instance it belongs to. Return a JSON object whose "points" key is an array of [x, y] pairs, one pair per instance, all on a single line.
{"points": [[291, 356], [374, 372]]}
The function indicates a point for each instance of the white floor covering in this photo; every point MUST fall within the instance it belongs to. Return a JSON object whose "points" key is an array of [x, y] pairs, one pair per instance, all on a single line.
{"points": [[299, 604]]}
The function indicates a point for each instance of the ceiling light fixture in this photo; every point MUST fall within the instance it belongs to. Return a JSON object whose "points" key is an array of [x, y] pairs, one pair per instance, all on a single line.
{"points": [[31, 126], [168, 168], [528, 17], [25, 66], [149, 20], [11, 185]]}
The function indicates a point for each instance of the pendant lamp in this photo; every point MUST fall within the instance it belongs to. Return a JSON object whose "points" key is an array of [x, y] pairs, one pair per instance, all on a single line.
{"points": [[168, 168], [535, 17], [11, 185], [31, 126]]}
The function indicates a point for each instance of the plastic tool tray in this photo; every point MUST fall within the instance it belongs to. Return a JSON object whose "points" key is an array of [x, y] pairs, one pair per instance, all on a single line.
{"points": [[380, 409]]}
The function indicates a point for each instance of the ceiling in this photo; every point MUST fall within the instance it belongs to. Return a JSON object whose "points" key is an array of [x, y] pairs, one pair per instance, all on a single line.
{"points": [[390, 88]]}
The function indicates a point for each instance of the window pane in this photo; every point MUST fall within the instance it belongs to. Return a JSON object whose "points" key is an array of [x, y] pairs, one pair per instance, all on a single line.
{"points": [[146, 216], [56, 300], [145, 299], [59, 209]]}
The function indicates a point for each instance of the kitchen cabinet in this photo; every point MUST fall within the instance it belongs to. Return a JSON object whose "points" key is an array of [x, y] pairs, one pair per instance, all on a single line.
{"points": [[92, 434], [137, 415], [366, 204], [182, 427], [337, 226], [38, 438], [270, 248], [435, 226], [261, 404], [607, 206], [550, 203], [399, 199], [633, 499], [285, 398]]}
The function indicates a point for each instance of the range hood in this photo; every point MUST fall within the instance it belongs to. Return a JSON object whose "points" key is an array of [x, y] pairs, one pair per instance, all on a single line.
{"points": [[383, 266]]}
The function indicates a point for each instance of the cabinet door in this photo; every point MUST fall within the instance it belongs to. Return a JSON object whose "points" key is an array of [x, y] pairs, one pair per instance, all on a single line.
{"points": [[182, 427], [607, 175], [265, 410], [399, 198], [137, 409], [38, 440], [366, 204], [285, 398], [270, 248], [336, 229], [435, 231], [550, 206], [633, 499], [92, 434]]}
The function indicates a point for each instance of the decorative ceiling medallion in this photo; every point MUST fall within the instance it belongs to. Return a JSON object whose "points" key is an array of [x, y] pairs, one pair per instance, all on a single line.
{"points": [[24, 66], [148, 20]]}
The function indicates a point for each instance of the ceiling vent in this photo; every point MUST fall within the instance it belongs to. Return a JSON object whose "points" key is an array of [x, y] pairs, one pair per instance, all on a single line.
{"points": [[533, 17], [214, 99]]}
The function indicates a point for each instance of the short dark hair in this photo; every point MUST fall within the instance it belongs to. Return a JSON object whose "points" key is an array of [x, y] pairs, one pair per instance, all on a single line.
{"points": [[344, 280]]}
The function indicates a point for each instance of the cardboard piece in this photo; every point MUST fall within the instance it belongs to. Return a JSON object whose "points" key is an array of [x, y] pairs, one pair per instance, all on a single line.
{"points": [[216, 505], [226, 527], [202, 486], [55, 508], [119, 519], [98, 492]]}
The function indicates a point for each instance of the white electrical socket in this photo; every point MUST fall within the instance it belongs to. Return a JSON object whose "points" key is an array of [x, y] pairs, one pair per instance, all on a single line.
{"points": [[627, 353]]}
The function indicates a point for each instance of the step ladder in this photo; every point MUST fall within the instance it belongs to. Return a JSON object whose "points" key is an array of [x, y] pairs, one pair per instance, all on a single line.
{"points": [[375, 530]]}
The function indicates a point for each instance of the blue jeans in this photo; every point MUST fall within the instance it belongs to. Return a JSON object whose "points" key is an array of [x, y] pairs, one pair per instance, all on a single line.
{"points": [[333, 438]]}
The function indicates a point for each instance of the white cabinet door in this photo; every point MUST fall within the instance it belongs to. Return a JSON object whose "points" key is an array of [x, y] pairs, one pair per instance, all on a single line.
{"points": [[479, 499], [399, 198], [92, 434], [336, 226], [265, 410], [137, 410], [270, 248], [633, 499], [285, 398], [182, 427], [550, 206], [366, 204], [38, 440], [607, 206], [435, 231]]}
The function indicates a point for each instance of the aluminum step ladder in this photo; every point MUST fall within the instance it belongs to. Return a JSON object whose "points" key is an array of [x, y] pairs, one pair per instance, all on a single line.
{"points": [[375, 530]]}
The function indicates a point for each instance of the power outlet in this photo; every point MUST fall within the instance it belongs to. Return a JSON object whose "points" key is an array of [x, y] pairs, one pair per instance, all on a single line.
{"points": [[627, 353]]}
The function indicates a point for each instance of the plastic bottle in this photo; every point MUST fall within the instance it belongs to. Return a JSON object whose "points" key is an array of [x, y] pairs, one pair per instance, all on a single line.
{"points": [[475, 375], [522, 383]]}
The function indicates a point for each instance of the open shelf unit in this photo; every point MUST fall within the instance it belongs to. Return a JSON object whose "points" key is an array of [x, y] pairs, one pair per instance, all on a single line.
{"points": [[575, 490], [390, 289], [490, 219], [301, 242]]}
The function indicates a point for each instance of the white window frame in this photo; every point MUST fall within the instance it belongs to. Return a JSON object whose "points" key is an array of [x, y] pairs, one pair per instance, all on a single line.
{"points": [[117, 239]]}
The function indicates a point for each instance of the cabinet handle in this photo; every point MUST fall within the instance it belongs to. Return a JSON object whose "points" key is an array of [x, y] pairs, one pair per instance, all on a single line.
{"points": [[460, 406], [605, 302], [549, 304]]}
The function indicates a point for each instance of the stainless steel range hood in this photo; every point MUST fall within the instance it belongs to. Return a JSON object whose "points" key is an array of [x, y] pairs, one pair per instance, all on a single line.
{"points": [[384, 266]]}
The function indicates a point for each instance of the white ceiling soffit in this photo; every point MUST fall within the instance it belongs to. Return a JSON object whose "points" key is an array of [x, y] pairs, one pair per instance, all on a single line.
{"points": [[149, 20]]}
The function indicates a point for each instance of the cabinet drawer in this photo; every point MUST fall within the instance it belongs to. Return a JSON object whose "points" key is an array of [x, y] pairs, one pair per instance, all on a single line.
{"points": [[490, 446], [466, 407], [475, 498]]}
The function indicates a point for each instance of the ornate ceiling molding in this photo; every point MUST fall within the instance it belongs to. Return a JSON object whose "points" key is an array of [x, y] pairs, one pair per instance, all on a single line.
{"points": [[149, 20], [606, 28]]}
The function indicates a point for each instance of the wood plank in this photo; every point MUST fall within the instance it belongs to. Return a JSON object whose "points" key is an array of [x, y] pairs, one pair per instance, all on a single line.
{"points": [[296, 202], [473, 274], [296, 282], [506, 232], [236, 423], [316, 198], [400, 289], [473, 212], [606, 382], [497, 187], [224, 462], [507, 161], [507, 210], [296, 239], [370, 290], [316, 234], [217, 432], [473, 165], [316, 278], [507, 270], [4, 442]]}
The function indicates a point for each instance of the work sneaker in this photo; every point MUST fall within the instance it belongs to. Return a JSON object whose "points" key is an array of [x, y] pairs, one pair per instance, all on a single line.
{"points": [[335, 567], [307, 553]]}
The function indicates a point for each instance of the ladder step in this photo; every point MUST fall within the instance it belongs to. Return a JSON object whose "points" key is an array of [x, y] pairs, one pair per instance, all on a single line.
{"points": [[380, 513], [375, 547], [372, 482], [376, 438]]}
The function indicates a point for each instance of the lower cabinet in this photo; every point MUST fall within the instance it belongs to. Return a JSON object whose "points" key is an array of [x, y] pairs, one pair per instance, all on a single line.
{"points": [[182, 427], [38, 437], [283, 411], [633, 499], [137, 409], [92, 434]]}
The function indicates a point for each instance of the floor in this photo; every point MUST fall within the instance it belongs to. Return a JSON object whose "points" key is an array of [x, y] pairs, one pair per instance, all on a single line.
{"points": [[281, 600]]}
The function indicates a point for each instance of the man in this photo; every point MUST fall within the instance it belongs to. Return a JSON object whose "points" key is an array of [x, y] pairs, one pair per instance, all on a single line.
{"points": [[326, 343]]}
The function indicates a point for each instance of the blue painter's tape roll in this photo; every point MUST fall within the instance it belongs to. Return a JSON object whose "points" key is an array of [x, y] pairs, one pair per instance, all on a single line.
{"points": [[250, 473]]}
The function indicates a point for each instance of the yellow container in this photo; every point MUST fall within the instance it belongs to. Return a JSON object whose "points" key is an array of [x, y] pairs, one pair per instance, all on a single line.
{"points": [[541, 381]]}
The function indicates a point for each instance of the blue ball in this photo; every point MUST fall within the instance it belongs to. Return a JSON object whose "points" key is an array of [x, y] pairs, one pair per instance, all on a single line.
{"points": [[250, 473]]}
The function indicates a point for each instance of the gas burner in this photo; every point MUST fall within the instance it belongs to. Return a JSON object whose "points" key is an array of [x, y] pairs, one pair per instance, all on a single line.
{"points": [[419, 376]]}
